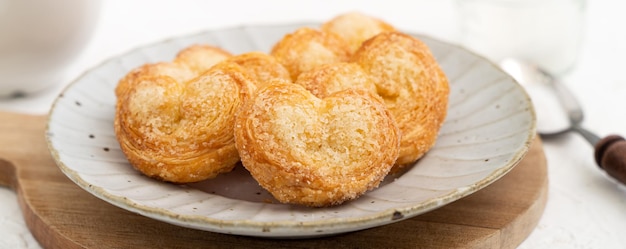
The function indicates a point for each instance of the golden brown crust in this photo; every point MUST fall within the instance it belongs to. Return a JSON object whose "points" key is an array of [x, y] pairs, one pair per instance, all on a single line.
{"points": [[413, 86], [316, 152], [366, 101], [355, 28], [200, 58], [178, 128], [307, 48], [261, 67], [189, 63], [324, 80]]}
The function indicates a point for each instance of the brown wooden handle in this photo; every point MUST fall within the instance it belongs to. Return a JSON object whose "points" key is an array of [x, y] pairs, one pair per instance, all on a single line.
{"points": [[610, 154]]}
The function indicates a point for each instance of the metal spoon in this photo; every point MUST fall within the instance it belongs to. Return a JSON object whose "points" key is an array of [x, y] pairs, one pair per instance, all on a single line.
{"points": [[610, 151]]}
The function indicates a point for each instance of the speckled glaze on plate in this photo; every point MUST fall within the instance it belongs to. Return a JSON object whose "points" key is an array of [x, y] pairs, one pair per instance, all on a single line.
{"points": [[488, 130]]}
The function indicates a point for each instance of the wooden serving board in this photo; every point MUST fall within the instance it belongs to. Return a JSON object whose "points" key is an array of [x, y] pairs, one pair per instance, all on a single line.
{"points": [[62, 215]]}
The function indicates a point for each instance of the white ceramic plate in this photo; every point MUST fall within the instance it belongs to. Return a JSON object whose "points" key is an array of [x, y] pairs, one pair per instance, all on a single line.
{"points": [[489, 128]]}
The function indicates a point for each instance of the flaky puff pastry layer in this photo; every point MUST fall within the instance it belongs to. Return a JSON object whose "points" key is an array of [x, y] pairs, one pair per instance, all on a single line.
{"points": [[324, 80], [175, 126], [413, 86], [261, 67], [307, 48], [316, 152], [188, 64], [355, 28]]}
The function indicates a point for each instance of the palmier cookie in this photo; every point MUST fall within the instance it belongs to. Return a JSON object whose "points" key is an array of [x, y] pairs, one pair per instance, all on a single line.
{"points": [[182, 131], [315, 152], [414, 88], [307, 48], [355, 28]]}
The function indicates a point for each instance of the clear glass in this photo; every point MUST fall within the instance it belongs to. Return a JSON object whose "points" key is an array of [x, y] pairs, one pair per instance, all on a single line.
{"points": [[38, 39], [545, 32]]}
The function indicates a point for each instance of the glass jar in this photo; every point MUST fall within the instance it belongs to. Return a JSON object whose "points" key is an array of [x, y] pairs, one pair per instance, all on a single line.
{"points": [[545, 32]]}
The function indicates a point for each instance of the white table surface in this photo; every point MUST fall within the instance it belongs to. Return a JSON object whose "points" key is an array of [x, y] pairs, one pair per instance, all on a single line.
{"points": [[585, 208]]}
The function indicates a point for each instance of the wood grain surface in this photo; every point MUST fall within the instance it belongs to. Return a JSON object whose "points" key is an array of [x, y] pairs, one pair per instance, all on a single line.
{"points": [[62, 215]]}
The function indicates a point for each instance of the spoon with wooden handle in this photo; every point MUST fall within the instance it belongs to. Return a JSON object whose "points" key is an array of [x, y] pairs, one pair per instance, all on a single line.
{"points": [[610, 151]]}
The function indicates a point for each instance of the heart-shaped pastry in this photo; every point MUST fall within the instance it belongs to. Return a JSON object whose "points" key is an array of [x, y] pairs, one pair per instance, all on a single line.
{"points": [[179, 128], [414, 88], [315, 152]]}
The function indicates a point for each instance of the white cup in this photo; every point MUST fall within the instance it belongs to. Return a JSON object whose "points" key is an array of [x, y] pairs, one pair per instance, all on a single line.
{"points": [[545, 32], [39, 38]]}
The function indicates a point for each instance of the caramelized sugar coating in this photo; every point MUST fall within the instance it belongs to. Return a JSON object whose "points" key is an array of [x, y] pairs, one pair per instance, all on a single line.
{"points": [[307, 48], [200, 58], [316, 152], [355, 28], [367, 100], [329, 78], [413, 86], [189, 63], [261, 67], [178, 127]]}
